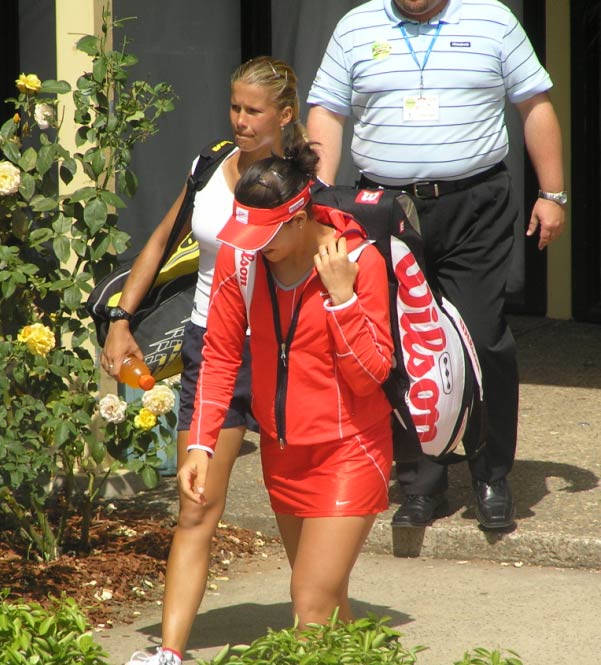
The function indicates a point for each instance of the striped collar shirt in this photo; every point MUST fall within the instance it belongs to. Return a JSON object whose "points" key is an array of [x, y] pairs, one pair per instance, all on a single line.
{"points": [[474, 55]]}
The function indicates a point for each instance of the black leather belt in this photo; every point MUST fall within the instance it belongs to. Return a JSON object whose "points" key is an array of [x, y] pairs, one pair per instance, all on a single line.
{"points": [[429, 189]]}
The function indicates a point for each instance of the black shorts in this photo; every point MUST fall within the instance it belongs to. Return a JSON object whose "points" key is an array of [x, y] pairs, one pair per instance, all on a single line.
{"points": [[239, 412]]}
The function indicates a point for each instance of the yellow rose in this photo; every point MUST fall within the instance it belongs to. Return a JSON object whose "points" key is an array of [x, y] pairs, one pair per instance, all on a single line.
{"points": [[10, 179], [38, 338], [145, 419], [28, 83]]}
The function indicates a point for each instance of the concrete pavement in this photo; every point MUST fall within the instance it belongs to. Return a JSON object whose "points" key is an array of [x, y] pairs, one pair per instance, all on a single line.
{"points": [[549, 616], [453, 586]]}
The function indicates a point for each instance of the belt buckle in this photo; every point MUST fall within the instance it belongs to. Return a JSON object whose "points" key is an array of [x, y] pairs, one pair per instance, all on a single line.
{"points": [[430, 193]]}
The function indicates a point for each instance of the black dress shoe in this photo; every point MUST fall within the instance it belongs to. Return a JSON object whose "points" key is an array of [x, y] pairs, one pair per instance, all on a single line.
{"points": [[420, 510], [495, 508]]}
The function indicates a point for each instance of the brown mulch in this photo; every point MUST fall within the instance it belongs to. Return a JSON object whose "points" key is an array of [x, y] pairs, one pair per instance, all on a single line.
{"points": [[125, 568]]}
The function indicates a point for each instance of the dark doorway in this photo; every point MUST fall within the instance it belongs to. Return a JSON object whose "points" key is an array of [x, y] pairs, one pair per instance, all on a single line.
{"points": [[9, 56], [533, 298], [586, 159]]}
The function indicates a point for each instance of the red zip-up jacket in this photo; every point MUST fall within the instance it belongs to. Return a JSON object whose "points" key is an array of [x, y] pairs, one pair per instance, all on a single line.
{"points": [[336, 363]]}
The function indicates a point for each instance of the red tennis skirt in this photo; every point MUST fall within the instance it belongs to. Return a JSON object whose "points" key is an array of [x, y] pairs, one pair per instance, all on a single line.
{"points": [[343, 478]]}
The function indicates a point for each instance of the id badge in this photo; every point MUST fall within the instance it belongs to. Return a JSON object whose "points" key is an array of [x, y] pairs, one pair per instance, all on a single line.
{"points": [[423, 107]]}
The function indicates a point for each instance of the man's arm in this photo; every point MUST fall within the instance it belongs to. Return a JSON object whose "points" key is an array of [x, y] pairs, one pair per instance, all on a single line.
{"points": [[326, 128], [543, 142]]}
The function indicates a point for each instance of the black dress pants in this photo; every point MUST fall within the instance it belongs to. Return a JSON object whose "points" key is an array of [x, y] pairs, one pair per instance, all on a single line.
{"points": [[468, 238]]}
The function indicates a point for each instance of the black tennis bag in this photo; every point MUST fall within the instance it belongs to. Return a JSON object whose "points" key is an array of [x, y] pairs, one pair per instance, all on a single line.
{"points": [[158, 323], [435, 387]]}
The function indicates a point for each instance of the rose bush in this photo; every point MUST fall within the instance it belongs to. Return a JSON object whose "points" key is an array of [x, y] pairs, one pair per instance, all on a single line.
{"points": [[53, 247]]}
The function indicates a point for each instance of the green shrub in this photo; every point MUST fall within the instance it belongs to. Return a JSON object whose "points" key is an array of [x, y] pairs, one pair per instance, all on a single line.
{"points": [[484, 657], [59, 635], [366, 641], [363, 642]]}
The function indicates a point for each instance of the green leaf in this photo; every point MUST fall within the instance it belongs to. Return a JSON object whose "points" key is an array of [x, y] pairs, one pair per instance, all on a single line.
{"points": [[53, 87], [150, 477], [8, 287], [97, 450], [28, 159], [11, 151], [81, 136], [88, 170], [129, 59], [65, 174], [45, 159], [98, 162], [83, 194], [136, 115], [99, 69], [61, 433], [46, 624], [27, 186], [79, 246], [129, 183], [70, 164], [112, 199], [88, 44], [95, 214], [41, 203], [62, 248], [8, 129], [39, 236], [61, 224], [100, 247], [220, 657], [72, 297]]}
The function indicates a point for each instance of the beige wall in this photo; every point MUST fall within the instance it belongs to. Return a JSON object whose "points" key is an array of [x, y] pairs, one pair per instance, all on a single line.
{"points": [[74, 19], [559, 267]]}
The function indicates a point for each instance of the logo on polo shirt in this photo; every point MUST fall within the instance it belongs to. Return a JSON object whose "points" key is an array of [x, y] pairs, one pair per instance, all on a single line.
{"points": [[380, 50]]}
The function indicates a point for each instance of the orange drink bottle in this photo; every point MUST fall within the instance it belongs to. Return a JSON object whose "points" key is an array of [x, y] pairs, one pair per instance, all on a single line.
{"points": [[135, 373]]}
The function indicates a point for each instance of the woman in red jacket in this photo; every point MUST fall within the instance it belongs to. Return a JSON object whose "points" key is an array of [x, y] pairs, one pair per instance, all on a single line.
{"points": [[310, 286]]}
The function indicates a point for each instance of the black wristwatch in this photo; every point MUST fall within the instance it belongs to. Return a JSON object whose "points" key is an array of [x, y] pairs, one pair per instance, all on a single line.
{"points": [[119, 314]]}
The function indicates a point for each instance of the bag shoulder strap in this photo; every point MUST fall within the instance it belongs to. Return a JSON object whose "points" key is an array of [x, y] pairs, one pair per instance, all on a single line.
{"points": [[208, 160]]}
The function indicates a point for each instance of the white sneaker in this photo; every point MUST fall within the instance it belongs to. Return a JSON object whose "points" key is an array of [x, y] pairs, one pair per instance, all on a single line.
{"points": [[160, 658]]}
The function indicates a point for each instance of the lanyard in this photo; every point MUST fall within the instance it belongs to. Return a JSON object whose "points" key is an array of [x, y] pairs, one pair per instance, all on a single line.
{"points": [[414, 54]]}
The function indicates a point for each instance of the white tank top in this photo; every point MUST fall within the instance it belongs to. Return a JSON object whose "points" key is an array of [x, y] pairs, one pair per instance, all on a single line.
{"points": [[213, 206]]}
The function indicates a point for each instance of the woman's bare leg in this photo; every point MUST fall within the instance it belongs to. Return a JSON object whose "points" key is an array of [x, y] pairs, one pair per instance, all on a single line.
{"points": [[189, 557], [322, 552]]}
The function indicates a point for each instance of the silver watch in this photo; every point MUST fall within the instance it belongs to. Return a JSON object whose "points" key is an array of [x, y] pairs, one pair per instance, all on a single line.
{"points": [[559, 197]]}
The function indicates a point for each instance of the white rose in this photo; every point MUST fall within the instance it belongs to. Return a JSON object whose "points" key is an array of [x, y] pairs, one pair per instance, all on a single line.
{"points": [[112, 409], [159, 399], [44, 115], [10, 179]]}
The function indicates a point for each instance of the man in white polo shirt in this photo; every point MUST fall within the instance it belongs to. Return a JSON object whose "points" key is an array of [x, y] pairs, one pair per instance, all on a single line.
{"points": [[425, 84]]}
